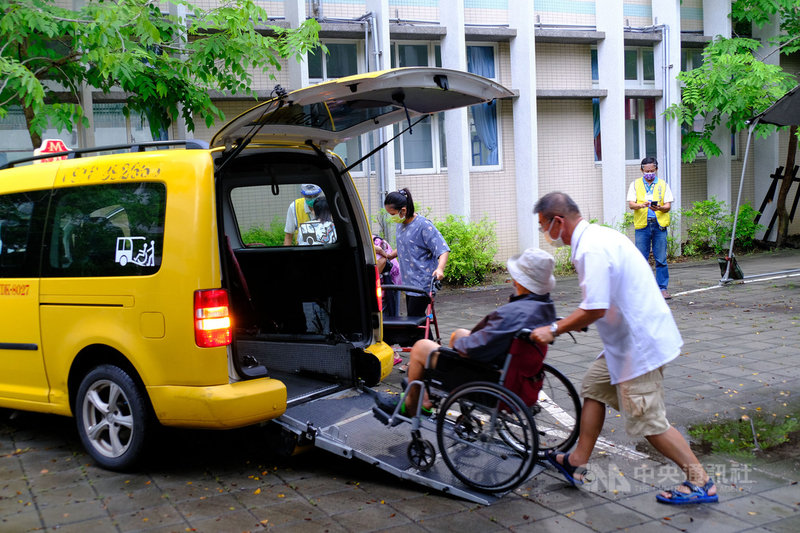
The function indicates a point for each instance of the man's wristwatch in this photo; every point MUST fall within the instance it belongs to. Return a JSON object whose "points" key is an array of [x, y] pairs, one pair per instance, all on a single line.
{"points": [[554, 329]]}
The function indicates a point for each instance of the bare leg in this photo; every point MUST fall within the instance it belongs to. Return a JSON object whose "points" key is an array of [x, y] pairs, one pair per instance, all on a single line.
{"points": [[457, 334], [675, 448], [417, 360], [593, 417]]}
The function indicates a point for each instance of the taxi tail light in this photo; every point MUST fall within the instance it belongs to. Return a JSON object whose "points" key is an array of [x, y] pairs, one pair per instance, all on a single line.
{"points": [[212, 319], [378, 289]]}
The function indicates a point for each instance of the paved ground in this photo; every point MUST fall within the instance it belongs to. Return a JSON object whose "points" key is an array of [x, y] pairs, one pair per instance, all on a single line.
{"points": [[741, 356]]}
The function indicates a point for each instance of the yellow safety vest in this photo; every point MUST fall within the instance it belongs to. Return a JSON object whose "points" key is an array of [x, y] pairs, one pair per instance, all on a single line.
{"points": [[640, 215], [300, 213]]}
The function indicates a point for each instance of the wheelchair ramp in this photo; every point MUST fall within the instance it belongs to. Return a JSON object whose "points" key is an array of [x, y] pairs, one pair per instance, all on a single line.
{"points": [[344, 424]]}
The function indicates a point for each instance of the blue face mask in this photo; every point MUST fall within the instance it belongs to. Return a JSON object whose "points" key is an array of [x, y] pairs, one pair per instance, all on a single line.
{"points": [[649, 176]]}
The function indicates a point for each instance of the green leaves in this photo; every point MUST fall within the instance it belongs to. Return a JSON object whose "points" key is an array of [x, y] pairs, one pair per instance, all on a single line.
{"points": [[710, 224], [472, 249], [730, 87], [161, 62]]}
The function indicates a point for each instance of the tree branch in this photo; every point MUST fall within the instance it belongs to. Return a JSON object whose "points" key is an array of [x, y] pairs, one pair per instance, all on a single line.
{"points": [[778, 49]]}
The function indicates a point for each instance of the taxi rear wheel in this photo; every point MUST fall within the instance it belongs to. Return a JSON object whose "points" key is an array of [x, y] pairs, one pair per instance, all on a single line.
{"points": [[112, 417]]}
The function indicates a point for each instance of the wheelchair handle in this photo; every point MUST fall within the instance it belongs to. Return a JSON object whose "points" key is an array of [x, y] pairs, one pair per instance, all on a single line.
{"points": [[436, 285], [525, 333]]}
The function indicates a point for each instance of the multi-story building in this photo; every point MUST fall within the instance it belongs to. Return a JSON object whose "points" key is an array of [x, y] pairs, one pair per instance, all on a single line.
{"points": [[590, 78]]}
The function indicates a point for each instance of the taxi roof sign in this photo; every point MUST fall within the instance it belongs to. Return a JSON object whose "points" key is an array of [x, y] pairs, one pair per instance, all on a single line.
{"points": [[50, 146]]}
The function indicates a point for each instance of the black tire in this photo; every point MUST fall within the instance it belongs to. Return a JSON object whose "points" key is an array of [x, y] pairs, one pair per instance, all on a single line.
{"points": [[557, 413], [469, 431], [113, 417], [421, 454]]}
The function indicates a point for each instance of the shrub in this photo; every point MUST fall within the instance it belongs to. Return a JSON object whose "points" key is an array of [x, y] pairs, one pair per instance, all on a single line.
{"points": [[563, 266], [472, 249], [746, 227], [268, 237], [673, 243], [710, 226]]}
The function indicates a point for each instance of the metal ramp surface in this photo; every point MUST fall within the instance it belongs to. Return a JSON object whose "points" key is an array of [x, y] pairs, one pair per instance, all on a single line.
{"points": [[344, 424]]}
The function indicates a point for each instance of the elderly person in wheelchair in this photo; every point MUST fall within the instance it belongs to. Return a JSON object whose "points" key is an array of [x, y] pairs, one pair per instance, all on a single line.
{"points": [[489, 341]]}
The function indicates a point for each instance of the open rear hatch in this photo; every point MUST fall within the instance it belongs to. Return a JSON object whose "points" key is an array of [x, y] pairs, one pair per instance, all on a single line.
{"points": [[332, 112]]}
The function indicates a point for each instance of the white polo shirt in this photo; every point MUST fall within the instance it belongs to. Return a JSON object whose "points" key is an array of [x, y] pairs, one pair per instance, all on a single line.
{"points": [[638, 331]]}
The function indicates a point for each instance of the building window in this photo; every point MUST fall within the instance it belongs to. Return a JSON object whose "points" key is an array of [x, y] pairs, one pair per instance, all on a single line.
{"points": [[639, 67], [416, 55], [691, 58], [640, 128], [484, 139], [341, 60], [422, 149], [598, 150], [110, 127]]}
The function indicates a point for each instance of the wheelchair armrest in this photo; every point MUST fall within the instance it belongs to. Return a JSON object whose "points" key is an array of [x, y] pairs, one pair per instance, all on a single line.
{"points": [[446, 350]]}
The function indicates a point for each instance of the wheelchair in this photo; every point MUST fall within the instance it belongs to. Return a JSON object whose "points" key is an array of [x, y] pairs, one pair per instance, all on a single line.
{"points": [[493, 423], [405, 330]]}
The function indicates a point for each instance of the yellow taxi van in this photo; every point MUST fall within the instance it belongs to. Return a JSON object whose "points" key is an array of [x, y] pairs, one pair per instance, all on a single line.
{"points": [[132, 292]]}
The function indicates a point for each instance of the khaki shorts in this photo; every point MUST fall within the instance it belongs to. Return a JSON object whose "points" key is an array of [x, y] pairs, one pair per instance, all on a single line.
{"points": [[641, 398]]}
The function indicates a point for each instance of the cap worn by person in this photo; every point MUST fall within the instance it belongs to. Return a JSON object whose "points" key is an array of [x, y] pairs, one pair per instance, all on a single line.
{"points": [[310, 190], [533, 269]]}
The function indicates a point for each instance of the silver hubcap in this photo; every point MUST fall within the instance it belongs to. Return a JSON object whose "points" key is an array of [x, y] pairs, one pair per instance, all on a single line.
{"points": [[107, 418]]}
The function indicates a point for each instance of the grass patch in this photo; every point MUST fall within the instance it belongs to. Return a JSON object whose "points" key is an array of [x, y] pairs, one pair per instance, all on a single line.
{"points": [[746, 435]]}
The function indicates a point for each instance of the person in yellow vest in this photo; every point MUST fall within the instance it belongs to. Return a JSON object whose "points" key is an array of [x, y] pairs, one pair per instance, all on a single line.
{"points": [[651, 199], [300, 211]]}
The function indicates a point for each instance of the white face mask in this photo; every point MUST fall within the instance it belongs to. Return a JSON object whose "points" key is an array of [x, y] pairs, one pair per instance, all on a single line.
{"points": [[558, 242]]}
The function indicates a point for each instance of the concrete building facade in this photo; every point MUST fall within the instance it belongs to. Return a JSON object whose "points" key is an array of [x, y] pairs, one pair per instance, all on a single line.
{"points": [[591, 80]]}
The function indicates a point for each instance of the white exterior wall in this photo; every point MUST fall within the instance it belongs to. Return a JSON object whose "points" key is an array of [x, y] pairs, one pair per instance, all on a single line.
{"points": [[718, 169], [546, 143]]}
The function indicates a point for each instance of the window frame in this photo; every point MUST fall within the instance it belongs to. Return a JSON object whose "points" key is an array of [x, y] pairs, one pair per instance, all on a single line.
{"points": [[639, 82], [360, 54], [436, 126], [29, 266], [641, 130], [687, 58], [470, 121], [88, 214]]}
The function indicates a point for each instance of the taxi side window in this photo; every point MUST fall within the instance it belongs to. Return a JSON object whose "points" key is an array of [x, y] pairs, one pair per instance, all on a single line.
{"points": [[20, 234], [106, 230]]}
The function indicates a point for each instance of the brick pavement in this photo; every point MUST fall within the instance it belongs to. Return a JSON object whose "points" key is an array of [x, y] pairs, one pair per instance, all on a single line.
{"points": [[741, 354]]}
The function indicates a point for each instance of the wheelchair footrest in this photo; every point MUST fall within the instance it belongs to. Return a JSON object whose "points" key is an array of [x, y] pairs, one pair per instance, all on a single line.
{"points": [[383, 417]]}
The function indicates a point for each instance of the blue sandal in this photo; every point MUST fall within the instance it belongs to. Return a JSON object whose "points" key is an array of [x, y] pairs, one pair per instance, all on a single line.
{"points": [[697, 495], [565, 468]]}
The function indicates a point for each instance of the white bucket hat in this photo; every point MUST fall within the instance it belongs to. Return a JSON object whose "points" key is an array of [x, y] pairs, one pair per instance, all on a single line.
{"points": [[309, 189], [533, 269]]}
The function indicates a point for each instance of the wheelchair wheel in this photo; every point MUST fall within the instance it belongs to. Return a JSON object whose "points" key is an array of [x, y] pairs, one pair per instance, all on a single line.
{"points": [[557, 413], [472, 431], [421, 454]]}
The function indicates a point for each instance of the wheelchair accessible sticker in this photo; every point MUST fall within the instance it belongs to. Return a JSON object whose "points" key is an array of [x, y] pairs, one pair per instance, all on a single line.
{"points": [[135, 250]]}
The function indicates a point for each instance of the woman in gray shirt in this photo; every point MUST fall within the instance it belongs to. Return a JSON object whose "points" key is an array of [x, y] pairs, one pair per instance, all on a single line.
{"points": [[421, 249]]}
